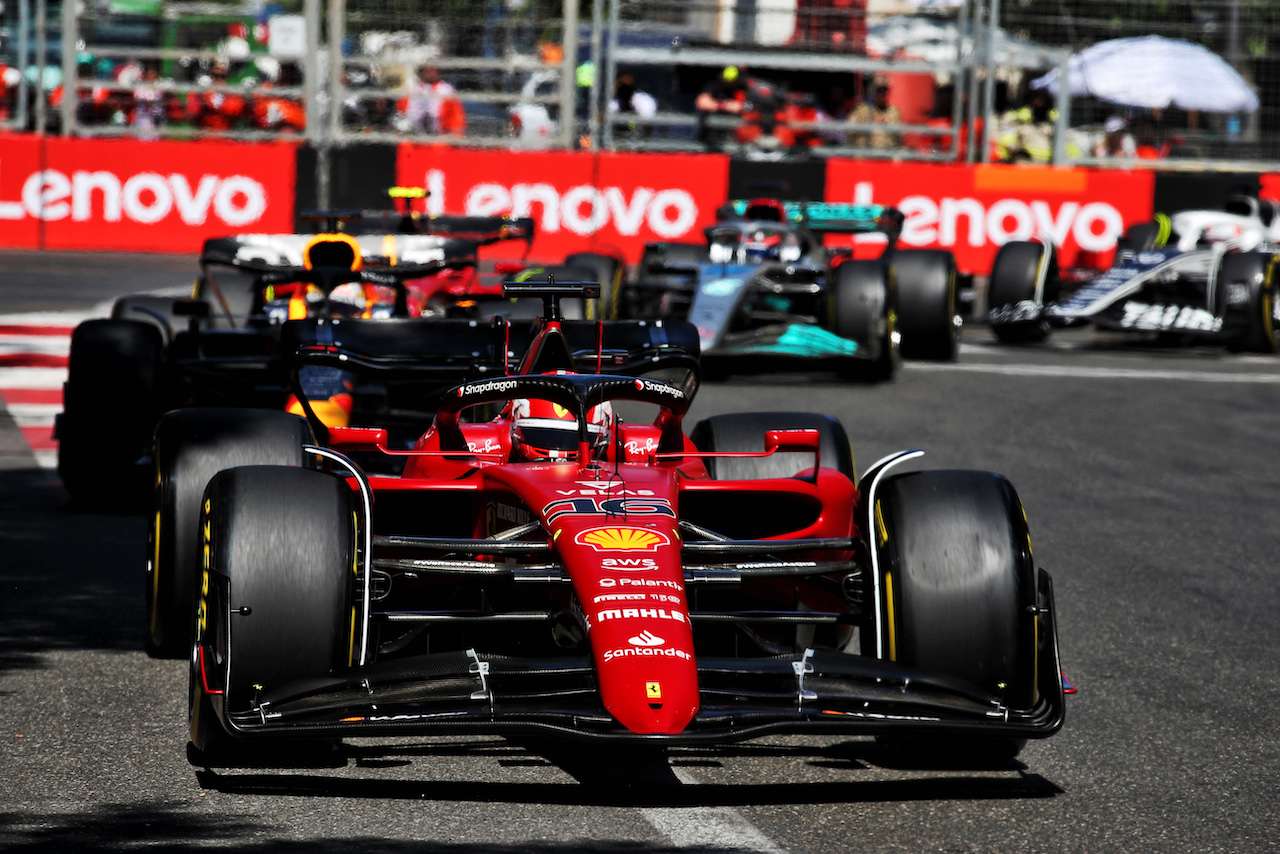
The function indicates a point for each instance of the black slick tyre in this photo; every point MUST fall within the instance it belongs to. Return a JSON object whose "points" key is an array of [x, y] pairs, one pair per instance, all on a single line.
{"points": [[744, 431], [608, 272], [863, 310], [111, 402], [279, 606], [1246, 294], [150, 309], [925, 286], [191, 446], [957, 594], [1013, 284]]}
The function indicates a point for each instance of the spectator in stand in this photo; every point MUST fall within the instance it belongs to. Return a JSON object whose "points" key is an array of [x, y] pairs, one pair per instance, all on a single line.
{"points": [[433, 106], [1116, 141], [879, 112], [630, 101], [216, 110], [724, 96], [148, 115], [277, 113], [1026, 134]]}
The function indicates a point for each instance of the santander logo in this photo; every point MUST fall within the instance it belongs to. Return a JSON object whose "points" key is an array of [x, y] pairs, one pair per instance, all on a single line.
{"points": [[646, 638], [142, 197]]}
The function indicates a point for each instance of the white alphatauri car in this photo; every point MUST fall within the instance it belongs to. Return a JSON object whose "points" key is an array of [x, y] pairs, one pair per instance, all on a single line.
{"points": [[1199, 275]]}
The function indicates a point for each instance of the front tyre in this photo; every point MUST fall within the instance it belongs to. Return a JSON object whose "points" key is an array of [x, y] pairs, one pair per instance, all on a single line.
{"points": [[279, 601], [1024, 278], [864, 311], [957, 594]]}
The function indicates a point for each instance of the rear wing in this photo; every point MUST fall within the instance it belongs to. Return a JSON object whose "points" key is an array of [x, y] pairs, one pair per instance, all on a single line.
{"points": [[263, 252], [429, 356], [480, 230]]}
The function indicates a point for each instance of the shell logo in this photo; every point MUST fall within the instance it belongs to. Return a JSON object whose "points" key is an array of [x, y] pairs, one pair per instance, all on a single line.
{"points": [[623, 539]]}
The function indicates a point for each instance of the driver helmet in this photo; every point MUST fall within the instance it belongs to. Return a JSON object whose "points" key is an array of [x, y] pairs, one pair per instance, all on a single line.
{"points": [[542, 430], [761, 246]]}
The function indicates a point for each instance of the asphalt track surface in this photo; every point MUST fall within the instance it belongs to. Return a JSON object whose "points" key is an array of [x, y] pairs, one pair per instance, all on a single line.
{"points": [[1152, 484]]}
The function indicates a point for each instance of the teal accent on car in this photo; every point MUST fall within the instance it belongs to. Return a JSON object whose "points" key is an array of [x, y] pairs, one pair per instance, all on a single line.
{"points": [[802, 339]]}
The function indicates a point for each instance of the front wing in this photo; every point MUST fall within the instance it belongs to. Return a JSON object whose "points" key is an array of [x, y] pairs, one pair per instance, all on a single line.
{"points": [[741, 698]]}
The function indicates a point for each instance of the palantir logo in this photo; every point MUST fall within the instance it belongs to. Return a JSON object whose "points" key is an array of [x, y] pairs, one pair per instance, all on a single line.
{"points": [[646, 638]]}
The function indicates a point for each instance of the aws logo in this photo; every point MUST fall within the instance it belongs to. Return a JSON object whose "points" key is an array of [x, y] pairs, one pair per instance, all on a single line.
{"points": [[622, 539]]}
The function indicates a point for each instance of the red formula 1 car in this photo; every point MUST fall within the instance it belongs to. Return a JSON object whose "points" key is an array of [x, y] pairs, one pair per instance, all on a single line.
{"points": [[558, 557]]}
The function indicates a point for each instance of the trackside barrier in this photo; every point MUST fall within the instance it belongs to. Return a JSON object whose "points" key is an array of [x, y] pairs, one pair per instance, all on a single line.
{"points": [[169, 196], [140, 196]]}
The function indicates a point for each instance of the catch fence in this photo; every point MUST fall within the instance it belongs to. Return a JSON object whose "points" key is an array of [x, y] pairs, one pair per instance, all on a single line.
{"points": [[628, 75]]}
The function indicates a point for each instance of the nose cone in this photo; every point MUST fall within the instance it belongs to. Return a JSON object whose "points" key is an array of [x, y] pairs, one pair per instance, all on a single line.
{"points": [[649, 683]]}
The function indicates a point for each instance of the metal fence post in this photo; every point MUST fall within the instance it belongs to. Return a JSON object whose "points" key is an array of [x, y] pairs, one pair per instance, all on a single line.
{"points": [[989, 85], [24, 60], [568, 81], [70, 89], [611, 73], [976, 140], [1062, 103], [42, 47], [316, 124], [593, 110]]}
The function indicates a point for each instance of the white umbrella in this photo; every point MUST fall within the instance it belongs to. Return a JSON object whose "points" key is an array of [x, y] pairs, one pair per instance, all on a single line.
{"points": [[1155, 72]]}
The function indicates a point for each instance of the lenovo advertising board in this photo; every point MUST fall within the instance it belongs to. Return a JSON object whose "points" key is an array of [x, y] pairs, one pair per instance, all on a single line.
{"points": [[581, 201], [140, 195], [974, 210]]}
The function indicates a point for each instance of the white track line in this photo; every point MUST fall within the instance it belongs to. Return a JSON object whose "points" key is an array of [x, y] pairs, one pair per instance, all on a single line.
{"points": [[1085, 372], [32, 377], [708, 827], [43, 344]]}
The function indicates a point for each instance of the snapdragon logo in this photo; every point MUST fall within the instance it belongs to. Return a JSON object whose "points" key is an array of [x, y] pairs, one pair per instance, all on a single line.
{"points": [[582, 209], [144, 197]]}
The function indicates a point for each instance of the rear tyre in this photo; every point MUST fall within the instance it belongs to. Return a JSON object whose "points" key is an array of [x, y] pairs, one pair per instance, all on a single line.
{"points": [[1246, 294], [608, 272], [744, 431], [149, 309], [1013, 286], [111, 402], [925, 281], [958, 595], [282, 547], [864, 311], [191, 446]]}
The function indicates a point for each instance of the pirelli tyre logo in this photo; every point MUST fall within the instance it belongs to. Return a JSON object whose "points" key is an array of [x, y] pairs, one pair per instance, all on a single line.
{"points": [[622, 539]]}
